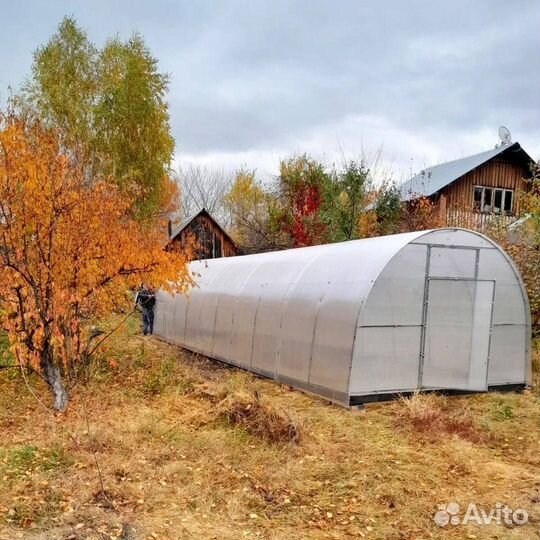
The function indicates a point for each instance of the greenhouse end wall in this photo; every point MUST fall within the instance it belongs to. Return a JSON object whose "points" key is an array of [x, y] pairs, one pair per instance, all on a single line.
{"points": [[364, 319]]}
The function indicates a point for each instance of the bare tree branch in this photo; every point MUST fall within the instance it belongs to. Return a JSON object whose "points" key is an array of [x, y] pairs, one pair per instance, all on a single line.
{"points": [[204, 187]]}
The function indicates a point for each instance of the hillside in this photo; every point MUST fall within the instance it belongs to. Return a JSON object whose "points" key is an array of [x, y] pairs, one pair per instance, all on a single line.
{"points": [[189, 448]]}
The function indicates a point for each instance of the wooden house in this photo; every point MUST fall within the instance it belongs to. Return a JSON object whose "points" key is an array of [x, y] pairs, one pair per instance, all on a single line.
{"points": [[210, 240], [471, 190]]}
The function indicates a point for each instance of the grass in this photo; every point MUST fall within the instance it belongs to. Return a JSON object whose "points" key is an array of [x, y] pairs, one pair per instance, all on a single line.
{"points": [[259, 418], [189, 448]]}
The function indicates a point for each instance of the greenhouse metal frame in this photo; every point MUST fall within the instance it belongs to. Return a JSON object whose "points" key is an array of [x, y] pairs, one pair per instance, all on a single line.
{"points": [[363, 320]]}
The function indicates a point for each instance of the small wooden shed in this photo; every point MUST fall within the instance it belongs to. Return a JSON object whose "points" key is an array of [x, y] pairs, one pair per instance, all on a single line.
{"points": [[211, 240]]}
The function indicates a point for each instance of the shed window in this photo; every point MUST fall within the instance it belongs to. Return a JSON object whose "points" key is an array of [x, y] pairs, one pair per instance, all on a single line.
{"points": [[217, 246], [493, 200]]}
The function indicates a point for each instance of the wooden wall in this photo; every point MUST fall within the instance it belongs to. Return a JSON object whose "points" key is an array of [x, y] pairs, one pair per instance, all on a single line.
{"points": [[497, 173], [210, 241]]}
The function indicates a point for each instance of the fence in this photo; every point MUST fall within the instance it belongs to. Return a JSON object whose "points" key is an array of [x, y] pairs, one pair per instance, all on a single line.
{"points": [[476, 220]]}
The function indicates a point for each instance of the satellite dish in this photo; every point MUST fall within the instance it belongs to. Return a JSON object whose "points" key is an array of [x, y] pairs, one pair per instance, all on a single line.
{"points": [[504, 135]]}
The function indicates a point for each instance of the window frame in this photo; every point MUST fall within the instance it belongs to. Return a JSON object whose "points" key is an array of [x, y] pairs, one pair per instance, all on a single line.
{"points": [[505, 192]]}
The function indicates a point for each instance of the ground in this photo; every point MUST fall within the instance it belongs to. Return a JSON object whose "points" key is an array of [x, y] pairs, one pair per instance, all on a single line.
{"points": [[164, 444]]}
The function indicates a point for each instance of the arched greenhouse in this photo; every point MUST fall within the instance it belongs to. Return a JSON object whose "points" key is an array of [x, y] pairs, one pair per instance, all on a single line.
{"points": [[362, 320]]}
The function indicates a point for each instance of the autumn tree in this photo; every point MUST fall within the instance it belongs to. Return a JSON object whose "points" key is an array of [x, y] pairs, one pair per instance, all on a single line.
{"points": [[421, 214], [346, 197], [387, 208], [307, 204], [302, 183], [252, 210], [132, 132], [522, 242], [531, 201], [69, 253], [109, 108], [63, 85]]}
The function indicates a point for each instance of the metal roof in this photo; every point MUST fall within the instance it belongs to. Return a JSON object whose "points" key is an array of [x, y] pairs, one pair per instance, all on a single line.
{"points": [[433, 179], [183, 224]]}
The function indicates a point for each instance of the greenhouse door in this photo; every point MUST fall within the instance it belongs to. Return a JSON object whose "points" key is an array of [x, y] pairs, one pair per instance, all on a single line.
{"points": [[457, 334]]}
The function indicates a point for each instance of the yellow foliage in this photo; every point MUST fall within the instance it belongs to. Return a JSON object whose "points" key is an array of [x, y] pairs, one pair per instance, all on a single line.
{"points": [[367, 226], [70, 250], [249, 204]]}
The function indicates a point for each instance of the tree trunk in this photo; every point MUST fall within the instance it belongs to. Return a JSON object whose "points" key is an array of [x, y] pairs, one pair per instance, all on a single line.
{"points": [[53, 376]]}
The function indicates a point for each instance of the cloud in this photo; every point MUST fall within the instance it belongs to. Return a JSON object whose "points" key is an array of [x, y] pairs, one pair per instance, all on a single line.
{"points": [[254, 81], [393, 152]]}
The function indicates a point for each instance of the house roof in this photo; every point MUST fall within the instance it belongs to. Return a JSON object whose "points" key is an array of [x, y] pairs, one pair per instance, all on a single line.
{"points": [[432, 179], [176, 230]]}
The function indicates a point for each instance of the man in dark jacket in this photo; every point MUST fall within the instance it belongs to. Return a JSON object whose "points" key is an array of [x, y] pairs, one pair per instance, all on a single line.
{"points": [[146, 300]]}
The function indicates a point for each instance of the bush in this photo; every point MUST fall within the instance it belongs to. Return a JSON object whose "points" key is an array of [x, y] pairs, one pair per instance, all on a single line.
{"points": [[249, 412]]}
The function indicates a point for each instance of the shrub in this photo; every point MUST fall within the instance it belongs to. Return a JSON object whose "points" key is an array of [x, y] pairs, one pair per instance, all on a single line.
{"points": [[260, 419]]}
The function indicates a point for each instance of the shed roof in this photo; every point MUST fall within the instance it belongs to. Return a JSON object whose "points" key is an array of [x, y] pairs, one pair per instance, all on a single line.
{"points": [[185, 222], [432, 179]]}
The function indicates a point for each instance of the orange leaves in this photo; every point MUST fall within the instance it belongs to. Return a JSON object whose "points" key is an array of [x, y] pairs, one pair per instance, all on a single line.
{"points": [[421, 214], [69, 247], [367, 226]]}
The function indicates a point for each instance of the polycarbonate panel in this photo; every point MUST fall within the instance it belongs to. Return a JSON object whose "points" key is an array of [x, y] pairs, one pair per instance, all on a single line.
{"points": [[199, 323], [509, 302], [397, 296], [297, 329], [300, 313], [452, 262], [481, 335], [508, 362], [448, 335], [454, 237], [230, 282], [333, 340], [357, 266], [159, 312], [268, 327], [202, 336], [305, 307], [166, 322], [277, 279], [168, 317], [337, 317], [205, 326], [177, 325], [244, 321], [457, 334], [386, 359]]}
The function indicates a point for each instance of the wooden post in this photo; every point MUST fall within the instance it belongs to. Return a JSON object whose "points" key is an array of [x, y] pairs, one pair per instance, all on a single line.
{"points": [[442, 211]]}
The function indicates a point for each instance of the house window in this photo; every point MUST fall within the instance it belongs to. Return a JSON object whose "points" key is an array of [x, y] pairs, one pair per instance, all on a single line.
{"points": [[493, 200], [508, 204]]}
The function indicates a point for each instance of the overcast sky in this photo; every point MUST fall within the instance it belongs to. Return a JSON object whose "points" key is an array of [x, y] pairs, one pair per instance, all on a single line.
{"points": [[253, 81]]}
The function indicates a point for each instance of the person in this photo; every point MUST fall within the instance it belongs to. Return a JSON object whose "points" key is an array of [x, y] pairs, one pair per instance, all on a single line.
{"points": [[146, 300]]}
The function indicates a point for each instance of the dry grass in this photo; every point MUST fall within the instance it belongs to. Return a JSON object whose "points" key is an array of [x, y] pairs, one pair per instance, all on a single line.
{"points": [[258, 418], [433, 416], [191, 449]]}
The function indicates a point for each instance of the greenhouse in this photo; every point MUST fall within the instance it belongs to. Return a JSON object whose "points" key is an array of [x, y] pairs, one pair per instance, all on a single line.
{"points": [[362, 320]]}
